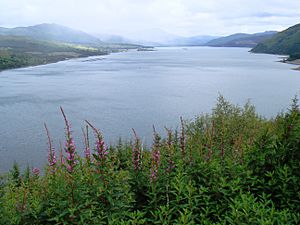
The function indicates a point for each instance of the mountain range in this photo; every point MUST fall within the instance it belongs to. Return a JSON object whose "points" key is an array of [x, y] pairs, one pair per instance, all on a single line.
{"points": [[162, 38], [241, 39], [59, 33]]}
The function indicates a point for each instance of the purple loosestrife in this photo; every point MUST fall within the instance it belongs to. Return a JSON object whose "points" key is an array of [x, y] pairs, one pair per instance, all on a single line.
{"points": [[222, 153], [182, 140], [211, 142], [51, 153], [170, 151], [100, 148], [136, 153], [155, 162], [87, 150], [70, 147], [36, 171]]}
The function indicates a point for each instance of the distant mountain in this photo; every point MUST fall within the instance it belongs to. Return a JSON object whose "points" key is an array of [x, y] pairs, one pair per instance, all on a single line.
{"points": [[241, 40], [52, 32], [191, 41], [286, 42]]}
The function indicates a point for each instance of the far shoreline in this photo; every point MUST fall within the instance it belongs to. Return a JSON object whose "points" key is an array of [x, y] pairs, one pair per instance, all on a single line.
{"points": [[48, 63], [67, 59], [292, 62]]}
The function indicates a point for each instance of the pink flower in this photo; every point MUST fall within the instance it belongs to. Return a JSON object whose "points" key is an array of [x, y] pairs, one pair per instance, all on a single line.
{"points": [[100, 148], [136, 153], [155, 158], [51, 152], [36, 171], [70, 147]]}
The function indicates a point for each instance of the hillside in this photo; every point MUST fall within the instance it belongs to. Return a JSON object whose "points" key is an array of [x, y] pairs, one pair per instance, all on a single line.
{"points": [[23, 51], [52, 32], [241, 40], [47, 43], [286, 42]]}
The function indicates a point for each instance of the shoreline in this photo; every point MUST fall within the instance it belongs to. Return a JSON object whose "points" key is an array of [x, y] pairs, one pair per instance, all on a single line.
{"points": [[52, 62], [294, 62], [66, 59]]}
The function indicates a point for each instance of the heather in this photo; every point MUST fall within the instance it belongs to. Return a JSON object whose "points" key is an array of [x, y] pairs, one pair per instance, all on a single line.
{"points": [[227, 167]]}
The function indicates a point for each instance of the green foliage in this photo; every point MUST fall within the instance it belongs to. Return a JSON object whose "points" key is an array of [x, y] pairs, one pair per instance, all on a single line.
{"points": [[286, 42], [228, 167]]}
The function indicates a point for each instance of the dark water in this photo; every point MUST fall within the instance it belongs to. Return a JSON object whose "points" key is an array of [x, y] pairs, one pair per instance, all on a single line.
{"points": [[132, 90]]}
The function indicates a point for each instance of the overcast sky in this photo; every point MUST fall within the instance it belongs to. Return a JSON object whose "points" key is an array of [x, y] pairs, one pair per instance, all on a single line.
{"points": [[135, 18]]}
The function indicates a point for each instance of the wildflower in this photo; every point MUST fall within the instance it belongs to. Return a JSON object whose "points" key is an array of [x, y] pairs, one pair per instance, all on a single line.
{"points": [[155, 163], [100, 147], [87, 151], [101, 151], [182, 140], [136, 153], [36, 171], [70, 147], [51, 152], [170, 150]]}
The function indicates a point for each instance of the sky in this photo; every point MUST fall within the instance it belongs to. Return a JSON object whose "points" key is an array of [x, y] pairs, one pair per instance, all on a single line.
{"points": [[141, 18]]}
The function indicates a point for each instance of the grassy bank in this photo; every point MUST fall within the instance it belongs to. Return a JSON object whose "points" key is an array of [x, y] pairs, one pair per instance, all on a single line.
{"points": [[227, 167], [18, 52]]}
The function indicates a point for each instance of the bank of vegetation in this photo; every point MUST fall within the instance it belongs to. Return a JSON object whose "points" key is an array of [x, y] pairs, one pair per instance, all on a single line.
{"points": [[286, 42], [18, 52], [49, 43], [228, 167]]}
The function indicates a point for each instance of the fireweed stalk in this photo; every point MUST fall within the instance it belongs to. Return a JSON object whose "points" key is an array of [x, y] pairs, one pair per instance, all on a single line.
{"points": [[36, 171], [100, 148], [155, 162], [182, 140], [136, 153], [211, 136], [87, 151], [51, 152], [170, 151], [70, 148]]}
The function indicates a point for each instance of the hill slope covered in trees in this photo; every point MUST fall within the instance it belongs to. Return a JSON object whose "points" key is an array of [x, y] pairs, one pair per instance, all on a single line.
{"points": [[286, 42]]}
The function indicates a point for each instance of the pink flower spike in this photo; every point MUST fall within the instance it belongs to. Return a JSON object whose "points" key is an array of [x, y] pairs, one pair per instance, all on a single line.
{"points": [[36, 171]]}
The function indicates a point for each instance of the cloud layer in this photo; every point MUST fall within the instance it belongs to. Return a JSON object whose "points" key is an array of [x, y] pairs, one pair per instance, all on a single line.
{"points": [[133, 17]]}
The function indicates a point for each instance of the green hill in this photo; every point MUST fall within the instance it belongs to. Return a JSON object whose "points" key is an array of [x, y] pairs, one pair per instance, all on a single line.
{"points": [[241, 39], [23, 51], [286, 42], [48, 43]]}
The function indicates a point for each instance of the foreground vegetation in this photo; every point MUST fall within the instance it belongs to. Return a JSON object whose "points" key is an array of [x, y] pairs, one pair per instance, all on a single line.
{"points": [[229, 167]]}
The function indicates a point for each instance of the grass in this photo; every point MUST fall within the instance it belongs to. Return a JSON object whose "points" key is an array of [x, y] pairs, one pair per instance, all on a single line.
{"points": [[228, 167]]}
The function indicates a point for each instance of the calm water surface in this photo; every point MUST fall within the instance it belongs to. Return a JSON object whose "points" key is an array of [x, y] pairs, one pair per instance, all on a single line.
{"points": [[132, 90]]}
